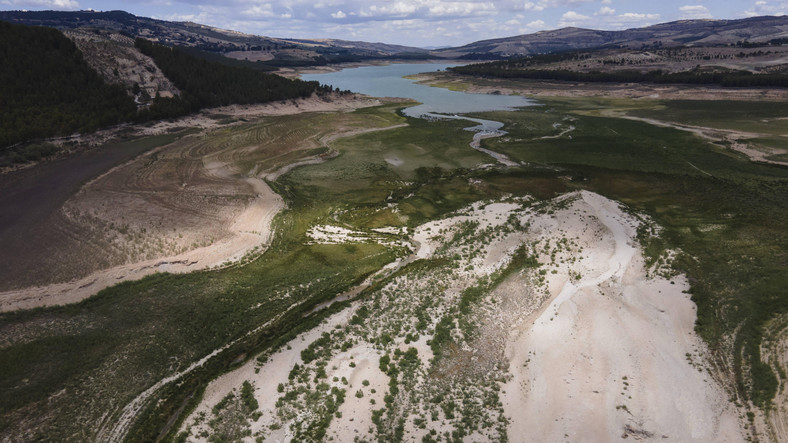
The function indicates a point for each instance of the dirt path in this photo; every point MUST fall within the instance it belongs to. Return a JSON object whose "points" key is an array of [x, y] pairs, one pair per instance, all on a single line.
{"points": [[699, 169], [559, 135], [774, 351], [117, 433], [715, 135]]}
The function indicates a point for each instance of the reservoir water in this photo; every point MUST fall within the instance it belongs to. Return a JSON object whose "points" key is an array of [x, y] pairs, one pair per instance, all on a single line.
{"points": [[388, 81]]}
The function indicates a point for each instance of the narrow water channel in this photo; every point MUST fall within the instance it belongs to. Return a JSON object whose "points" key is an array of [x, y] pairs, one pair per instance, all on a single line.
{"points": [[389, 81]]}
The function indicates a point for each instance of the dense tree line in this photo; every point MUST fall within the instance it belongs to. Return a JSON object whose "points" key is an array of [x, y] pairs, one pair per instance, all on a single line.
{"points": [[47, 89], [506, 69], [206, 84], [219, 58]]}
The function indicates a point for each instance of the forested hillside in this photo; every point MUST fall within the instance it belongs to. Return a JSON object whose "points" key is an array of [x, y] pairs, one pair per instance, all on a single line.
{"points": [[207, 84], [518, 68], [47, 89]]}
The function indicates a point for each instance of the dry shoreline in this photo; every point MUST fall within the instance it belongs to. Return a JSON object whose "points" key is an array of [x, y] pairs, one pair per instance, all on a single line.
{"points": [[552, 88], [250, 230]]}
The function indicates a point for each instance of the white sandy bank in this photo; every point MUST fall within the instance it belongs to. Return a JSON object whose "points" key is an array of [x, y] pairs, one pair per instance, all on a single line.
{"points": [[610, 354], [613, 355]]}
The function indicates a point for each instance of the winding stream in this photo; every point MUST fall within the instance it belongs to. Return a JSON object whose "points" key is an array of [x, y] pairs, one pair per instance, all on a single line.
{"points": [[484, 129], [436, 103]]}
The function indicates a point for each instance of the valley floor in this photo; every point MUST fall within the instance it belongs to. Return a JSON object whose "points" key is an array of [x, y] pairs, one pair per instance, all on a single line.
{"points": [[391, 281]]}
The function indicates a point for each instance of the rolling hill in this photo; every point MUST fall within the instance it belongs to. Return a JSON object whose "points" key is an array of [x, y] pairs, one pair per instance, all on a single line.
{"points": [[678, 33], [275, 52]]}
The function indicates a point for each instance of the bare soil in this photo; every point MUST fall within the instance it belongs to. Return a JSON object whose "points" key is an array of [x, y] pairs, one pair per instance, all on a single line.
{"points": [[181, 207], [116, 59]]}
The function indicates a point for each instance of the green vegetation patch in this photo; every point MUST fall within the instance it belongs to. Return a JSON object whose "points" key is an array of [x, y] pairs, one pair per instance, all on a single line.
{"points": [[763, 117], [518, 69]]}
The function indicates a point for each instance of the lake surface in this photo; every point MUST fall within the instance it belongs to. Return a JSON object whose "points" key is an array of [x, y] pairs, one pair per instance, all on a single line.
{"points": [[387, 81]]}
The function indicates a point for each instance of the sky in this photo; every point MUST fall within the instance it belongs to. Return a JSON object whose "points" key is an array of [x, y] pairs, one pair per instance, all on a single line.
{"points": [[421, 23]]}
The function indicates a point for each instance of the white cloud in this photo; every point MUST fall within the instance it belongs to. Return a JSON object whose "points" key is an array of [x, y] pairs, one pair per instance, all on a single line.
{"points": [[260, 11], [426, 8], [338, 14], [694, 12], [604, 10], [607, 2], [572, 15], [398, 9], [572, 18], [635, 18], [606, 18], [176, 17], [460, 9], [531, 6], [541, 5], [534, 26], [762, 7]]}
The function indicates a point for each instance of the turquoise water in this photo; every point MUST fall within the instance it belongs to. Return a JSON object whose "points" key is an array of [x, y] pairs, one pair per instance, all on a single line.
{"points": [[387, 81]]}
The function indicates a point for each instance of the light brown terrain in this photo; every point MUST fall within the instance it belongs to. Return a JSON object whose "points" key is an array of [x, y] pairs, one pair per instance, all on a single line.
{"points": [[759, 59], [550, 88], [197, 203], [699, 32], [116, 59]]}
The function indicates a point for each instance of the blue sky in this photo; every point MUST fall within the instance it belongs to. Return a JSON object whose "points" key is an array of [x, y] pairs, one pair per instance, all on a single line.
{"points": [[418, 22]]}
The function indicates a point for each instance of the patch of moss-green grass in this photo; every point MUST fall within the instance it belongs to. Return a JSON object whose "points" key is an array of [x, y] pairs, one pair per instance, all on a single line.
{"points": [[762, 116]]}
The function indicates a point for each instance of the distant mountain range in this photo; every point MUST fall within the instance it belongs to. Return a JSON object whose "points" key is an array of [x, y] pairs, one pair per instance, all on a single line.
{"points": [[678, 33], [277, 52], [272, 51]]}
